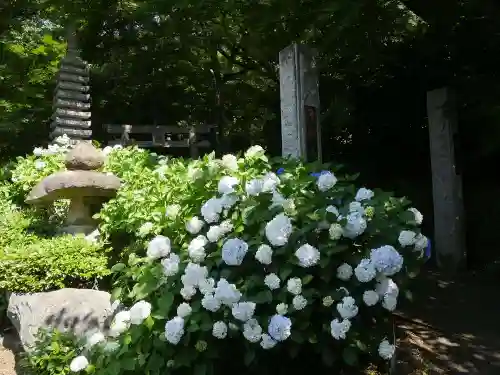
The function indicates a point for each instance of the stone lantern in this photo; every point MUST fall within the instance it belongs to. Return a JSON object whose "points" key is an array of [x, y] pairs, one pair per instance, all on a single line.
{"points": [[82, 184]]}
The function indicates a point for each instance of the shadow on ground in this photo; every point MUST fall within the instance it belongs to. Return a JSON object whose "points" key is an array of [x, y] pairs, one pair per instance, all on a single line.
{"points": [[452, 326]]}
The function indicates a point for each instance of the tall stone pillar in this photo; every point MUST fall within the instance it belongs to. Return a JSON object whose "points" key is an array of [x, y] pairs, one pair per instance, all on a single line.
{"points": [[72, 99], [299, 95], [449, 229]]}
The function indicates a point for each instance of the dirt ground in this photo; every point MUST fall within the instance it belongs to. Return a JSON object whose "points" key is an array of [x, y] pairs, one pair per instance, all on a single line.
{"points": [[451, 327]]}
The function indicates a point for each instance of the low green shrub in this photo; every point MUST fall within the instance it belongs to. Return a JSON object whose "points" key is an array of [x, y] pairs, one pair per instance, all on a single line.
{"points": [[32, 259], [44, 264], [52, 353]]}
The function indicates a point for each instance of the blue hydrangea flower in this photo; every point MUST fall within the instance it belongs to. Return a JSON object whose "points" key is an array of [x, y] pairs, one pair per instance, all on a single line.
{"points": [[428, 250], [280, 171]]}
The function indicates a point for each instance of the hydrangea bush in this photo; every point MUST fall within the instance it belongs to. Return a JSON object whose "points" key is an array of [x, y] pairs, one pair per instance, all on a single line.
{"points": [[250, 261], [244, 261]]}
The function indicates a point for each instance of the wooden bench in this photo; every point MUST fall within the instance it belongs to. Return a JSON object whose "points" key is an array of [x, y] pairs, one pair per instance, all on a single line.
{"points": [[148, 136]]}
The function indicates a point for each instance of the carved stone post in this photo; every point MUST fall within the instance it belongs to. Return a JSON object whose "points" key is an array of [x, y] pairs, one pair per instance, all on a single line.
{"points": [[72, 99], [299, 94], [449, 236]]}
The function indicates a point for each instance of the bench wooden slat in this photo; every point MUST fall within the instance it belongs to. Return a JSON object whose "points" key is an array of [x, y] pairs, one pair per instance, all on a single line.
{"points": [[166, 144], [146, 129]]}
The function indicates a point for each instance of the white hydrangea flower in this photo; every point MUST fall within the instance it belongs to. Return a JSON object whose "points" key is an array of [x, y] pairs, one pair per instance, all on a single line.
{"points": [[407, 238], [332, 209], [339, 329], [145, 229], [347, 308], [139, 312], [230, 162], [355, 226], [78, 364], [419, 218], [254, 187], [307, 255], [94, 339], [227, 201], [386, 286], [272, 281], [267, 341], [356, 207], [172, 210], [252, 330], [327, 301], [206, 286], [196, 249], [227, 184], [194, 274], [389, 302], [254, 151], [38, 151], [187, 292], [184, 310], [277, 199], [234, 251], [270, 182], [219, 330], [294, 285], [344, 272], [210, 303], [335, 231], [171, 264], [365, 271], [243, 311], [227, 293], [264, 254], [194, 225], [121, 323], [386, 350], [421, 242], [326, 181], [211, 210], [386, 260], [278, 230], [281, 308], [174, 330], [216, 232], [158, 247], [280, 327], [39, 164], [364, 194], [299, 302], [370, 297]]}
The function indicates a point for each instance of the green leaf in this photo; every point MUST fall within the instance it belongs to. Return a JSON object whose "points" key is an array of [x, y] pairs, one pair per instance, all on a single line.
{"points": [[327, 356], [263, 297], [350, 356], [286, 272], [165, 304], [307, 279], [118, 267], [200, 369], [249, 357]]}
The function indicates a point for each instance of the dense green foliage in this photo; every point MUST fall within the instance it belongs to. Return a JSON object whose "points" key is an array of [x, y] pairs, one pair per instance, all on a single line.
{"points": [[173, 215], [33, 261], [53, 350], [160, 196]]}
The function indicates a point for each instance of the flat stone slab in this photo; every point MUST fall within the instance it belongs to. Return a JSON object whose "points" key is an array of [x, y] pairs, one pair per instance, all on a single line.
{"points": [[76, 310]]}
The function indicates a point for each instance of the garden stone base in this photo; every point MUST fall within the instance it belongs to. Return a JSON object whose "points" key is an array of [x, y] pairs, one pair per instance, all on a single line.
{"points": [[77, 310]]}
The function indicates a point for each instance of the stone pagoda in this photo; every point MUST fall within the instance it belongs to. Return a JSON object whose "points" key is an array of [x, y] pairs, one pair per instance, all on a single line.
{"points": [[72, 99]]}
